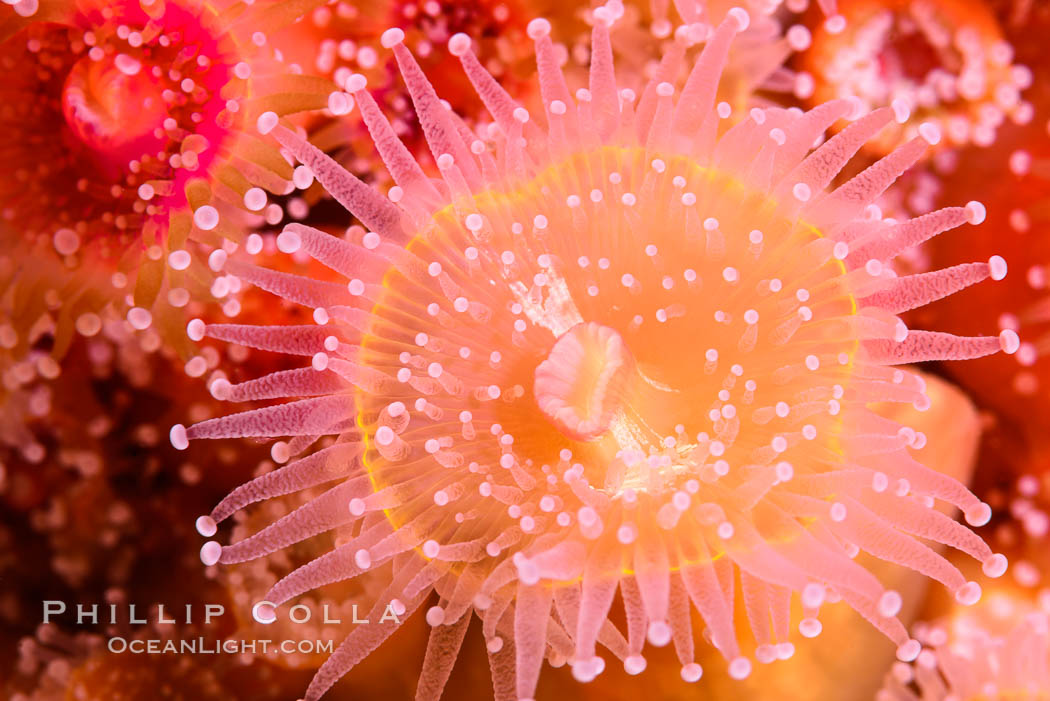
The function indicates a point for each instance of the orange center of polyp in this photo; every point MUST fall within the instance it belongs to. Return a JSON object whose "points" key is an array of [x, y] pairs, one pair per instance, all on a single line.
{"points": [[581, 385], [620, 314], [112, 103]]}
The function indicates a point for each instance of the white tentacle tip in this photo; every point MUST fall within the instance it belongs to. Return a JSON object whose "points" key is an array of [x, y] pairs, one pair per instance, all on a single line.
{"points": [[586, 670], [997, 267], [179, 259], [220, 388], [835, 24], [659, 633], [799, 37], [391, 38], [804, 85], [210, 553], [604, 16], [741, 17], [538, 28], [195, 329], [995, 566], [266, 122], [280, 453], [178, 437], [930, 133], [1009, 341], [692, 672], [264, 613], [339, 103], [890, 604], [968, 594], [139, 318], [288, 242], [206, 526], [459, 44], [978, 514], [900, 331], [857, 108], [901, 110], [355, 83], [909, 651], [363, 559], [810, 627], [217, 258], [813, 595], [634, 664], [435, 616], [740, 668], [975, 212]]}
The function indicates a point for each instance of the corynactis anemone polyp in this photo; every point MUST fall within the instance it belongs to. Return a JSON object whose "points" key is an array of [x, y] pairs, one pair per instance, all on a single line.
{"points": [[615, 351], [944, 62], [970, 658], [122, 129]]}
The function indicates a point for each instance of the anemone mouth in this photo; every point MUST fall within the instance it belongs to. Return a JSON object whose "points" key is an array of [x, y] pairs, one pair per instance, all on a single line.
{"points": [[568, 267], [581, 385], [113, 107], [141, 97]]}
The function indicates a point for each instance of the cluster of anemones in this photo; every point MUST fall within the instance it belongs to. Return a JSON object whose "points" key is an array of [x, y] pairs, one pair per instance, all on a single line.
{"points": [[615, 348], [1001, 651], [630, 344], [943, 62]]}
